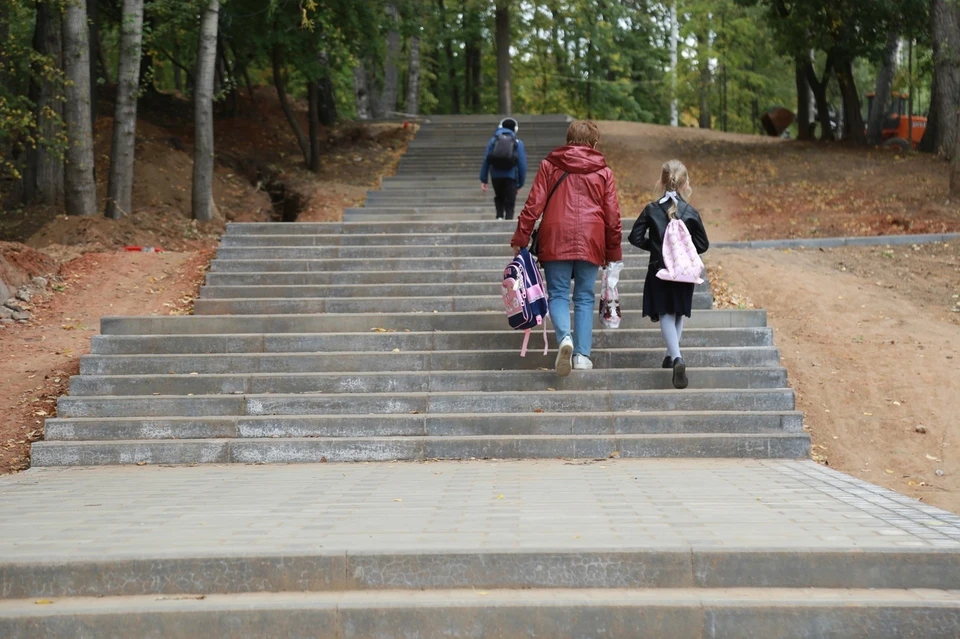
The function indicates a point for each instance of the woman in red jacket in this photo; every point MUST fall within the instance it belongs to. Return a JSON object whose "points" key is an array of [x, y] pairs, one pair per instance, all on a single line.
{"points": [[579, 233]]}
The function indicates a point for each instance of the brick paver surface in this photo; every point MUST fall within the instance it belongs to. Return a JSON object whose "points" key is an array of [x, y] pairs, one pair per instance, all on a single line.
{"points": [[117, 512]]}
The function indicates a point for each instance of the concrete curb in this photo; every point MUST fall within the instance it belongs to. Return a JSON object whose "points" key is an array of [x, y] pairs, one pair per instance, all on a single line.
{"points": [[834, 242]]}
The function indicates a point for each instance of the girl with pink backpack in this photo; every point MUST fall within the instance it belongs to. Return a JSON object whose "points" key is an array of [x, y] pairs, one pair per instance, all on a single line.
{"points": [[671, 230]]}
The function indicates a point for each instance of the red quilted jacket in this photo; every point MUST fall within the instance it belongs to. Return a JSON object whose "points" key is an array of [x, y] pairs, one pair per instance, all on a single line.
{"points": [[582, 220]]}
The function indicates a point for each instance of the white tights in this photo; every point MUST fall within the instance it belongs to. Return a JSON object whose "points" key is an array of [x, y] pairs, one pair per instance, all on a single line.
{"points": [[671, 327]]}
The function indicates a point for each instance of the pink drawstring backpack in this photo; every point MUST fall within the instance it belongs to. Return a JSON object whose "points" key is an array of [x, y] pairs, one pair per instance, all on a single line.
{"points": [[681, 262]]}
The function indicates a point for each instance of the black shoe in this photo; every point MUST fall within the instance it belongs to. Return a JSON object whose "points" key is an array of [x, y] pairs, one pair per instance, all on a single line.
{"points": [[679, 373], [667, 362]]}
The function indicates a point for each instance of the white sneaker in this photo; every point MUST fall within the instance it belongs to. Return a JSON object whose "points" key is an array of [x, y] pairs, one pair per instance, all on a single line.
{"points": [[582, 363], [563, 364]]}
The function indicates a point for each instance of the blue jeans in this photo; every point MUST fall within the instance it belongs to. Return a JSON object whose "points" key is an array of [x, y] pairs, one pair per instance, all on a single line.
{"points": [[584, 276]]}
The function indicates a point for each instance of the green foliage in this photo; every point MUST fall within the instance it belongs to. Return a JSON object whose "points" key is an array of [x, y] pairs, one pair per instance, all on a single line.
{"points": [[21, 64]]}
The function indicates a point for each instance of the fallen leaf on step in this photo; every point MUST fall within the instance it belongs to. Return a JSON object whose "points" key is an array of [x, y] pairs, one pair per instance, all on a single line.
{"points": [[141, 463], [889, 472], [499, 496], [397, 500], [538, 410], [43, 601], [396, 350], [615, 454]]}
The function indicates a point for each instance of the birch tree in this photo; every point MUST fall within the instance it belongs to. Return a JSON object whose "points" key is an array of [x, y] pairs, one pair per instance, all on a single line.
{"points": [[80, 187], [122, 149]]}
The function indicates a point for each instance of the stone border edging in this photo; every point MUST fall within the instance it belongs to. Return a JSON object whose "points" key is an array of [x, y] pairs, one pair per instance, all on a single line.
{"points": [[833, 242]]}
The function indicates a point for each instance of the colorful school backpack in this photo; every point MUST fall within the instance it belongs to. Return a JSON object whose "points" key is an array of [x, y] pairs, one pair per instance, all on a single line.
{"points": [[525, 297], [610, 314], [681, 262]]}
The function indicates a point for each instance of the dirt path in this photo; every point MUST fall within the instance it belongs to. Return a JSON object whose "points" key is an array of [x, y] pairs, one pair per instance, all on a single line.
{"points": [[871, 342], [637, 151], [39, 357]]}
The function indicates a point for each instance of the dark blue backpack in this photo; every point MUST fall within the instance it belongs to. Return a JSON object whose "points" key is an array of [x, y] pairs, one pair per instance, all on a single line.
{"points": [[525, 297]]}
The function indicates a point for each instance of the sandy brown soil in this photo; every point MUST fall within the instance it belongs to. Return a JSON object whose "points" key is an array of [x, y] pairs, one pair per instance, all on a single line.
{"points": [[39, 357], [751, 187], [871, 341]]}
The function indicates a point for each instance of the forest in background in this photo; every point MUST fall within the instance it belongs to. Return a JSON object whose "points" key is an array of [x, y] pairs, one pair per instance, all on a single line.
{"points": [[708, 63]]}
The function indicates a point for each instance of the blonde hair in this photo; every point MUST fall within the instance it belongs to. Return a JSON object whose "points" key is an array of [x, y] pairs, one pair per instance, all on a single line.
{"points": [[673, 177], [583, 133]]}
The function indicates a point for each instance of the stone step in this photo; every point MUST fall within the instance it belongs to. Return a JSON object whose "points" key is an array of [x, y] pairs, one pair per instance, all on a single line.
{"points": [[678, 613], [418, 289], [437, 277], [400, 227], [435, 425], [383, 449], [501, 238], [367, 254], [452, 360], [681, 566], [429, 198], [477, 304], [467, 180], [764, 399], [493, 264], [383, 343], [422, 214], [224, 324], [461, 381], [470, 189]]}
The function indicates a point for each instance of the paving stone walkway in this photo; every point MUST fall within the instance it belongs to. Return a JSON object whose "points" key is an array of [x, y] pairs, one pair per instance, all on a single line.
{"points": [[124, 512]]}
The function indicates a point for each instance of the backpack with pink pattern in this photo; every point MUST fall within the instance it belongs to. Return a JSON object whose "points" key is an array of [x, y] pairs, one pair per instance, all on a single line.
{"points": [[681, 262], [525, 298]]}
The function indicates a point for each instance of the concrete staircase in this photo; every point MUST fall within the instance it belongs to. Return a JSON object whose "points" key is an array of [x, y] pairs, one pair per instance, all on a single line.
{"points": [[382, 339], [438, 177]]}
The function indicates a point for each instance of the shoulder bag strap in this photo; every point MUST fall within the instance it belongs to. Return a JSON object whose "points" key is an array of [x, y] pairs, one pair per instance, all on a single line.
{"points": [[550, 195]]}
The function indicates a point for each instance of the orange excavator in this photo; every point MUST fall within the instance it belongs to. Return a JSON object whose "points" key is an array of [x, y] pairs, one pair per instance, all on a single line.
{"points": [[897, 122]]}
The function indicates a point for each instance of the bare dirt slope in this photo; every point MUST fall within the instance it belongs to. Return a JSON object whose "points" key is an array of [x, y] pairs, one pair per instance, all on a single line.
{"points": [[38, 357], [752, 187], [871, 341]]}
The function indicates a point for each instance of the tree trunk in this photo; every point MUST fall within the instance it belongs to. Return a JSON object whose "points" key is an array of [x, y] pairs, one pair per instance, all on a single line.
{"points": [[955, 167], [229, 79], [203, 206], [120, 186], [674, 39], [43, 173], [451, 63], [706, 79], [102, 59], [477, 70], [285, 105], [388, 98], [313, 100], [819, 88], [804, 96], [945, 100], [881, 92], [504, 94], [4, 34], [80, 188], [328, 96], [930, 134], [147, 80], [413, 78], [361, 90], [93, 53], [852, 115], [177, 71]]}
